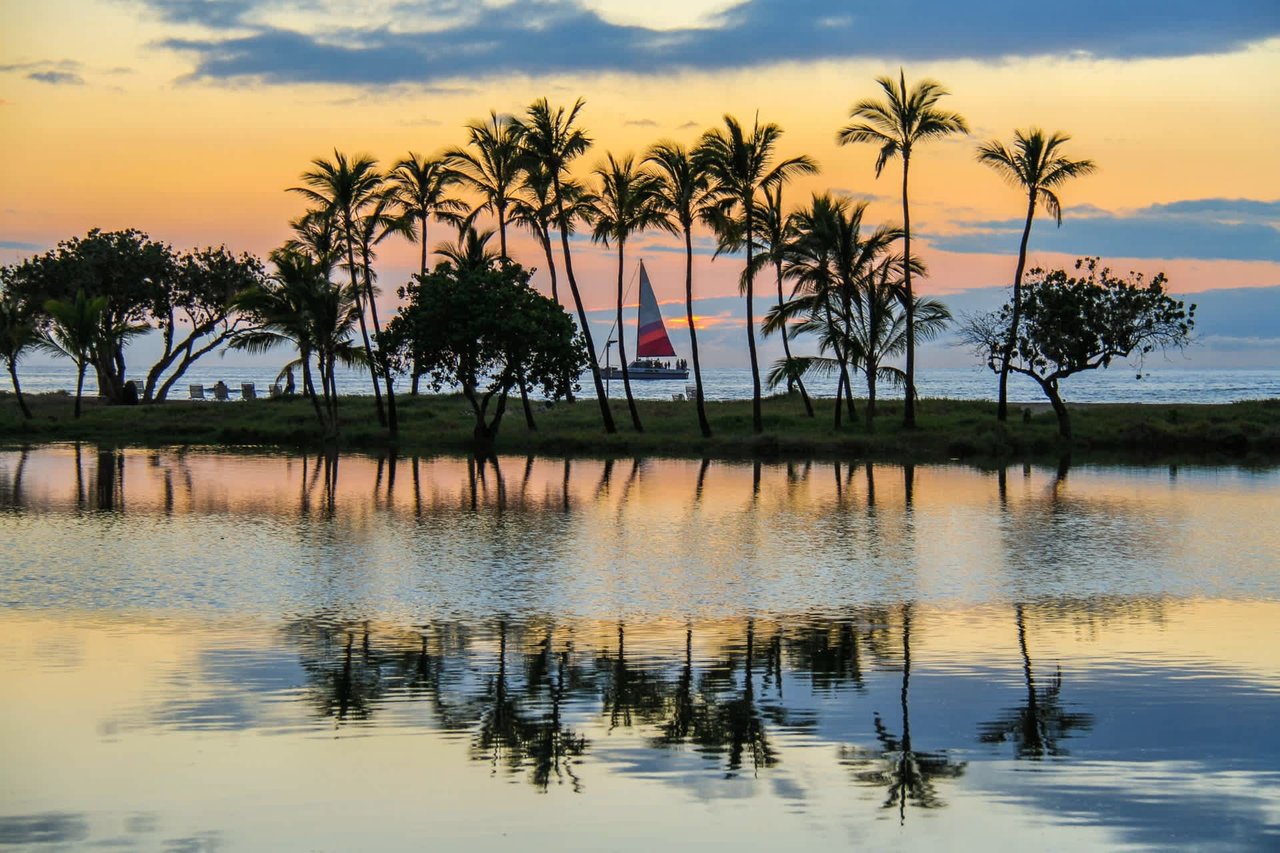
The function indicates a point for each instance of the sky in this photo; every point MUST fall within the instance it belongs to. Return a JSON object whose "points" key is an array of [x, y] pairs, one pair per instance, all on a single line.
{"points": [[190, 119]]}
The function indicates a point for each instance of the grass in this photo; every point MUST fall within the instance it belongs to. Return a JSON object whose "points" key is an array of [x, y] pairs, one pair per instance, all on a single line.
{"points": [[947, 429]]}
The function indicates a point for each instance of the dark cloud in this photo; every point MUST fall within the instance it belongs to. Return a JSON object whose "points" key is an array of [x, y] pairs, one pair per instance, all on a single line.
{"points": [[1205, 229], [57, 78], [557, 36]]}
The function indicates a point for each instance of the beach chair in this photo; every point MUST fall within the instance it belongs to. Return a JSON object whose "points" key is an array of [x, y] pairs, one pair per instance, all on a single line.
{"points": [[220, 392], [691, 392], [197, 392], [247, 391], [677, 398], [275, 392]]}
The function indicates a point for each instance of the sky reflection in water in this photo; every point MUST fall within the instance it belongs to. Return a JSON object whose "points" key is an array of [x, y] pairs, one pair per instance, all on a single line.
{"points": [[264, 651]]}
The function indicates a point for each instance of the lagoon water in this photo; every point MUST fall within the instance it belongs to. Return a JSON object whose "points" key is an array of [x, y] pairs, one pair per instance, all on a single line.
{"points": [[262, 651]]}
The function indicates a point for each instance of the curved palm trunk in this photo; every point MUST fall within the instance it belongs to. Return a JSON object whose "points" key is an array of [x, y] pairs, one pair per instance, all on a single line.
{"points": [[544, 236], [757, 422], [1002, 407], [393, 422], [17, 391], [309, 389], [786, 348], [622, 349], [703, 424], [358, 293], [843, 382], [846, 364], [909, 408], [605, 414]]}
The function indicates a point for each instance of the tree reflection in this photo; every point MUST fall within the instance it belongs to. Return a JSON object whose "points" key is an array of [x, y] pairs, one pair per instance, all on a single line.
{"points": [[1037, 726], [907, 773]]}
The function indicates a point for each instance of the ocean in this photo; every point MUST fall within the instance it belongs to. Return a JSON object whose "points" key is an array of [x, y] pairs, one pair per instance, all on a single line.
{"points": [[1115, 385]]}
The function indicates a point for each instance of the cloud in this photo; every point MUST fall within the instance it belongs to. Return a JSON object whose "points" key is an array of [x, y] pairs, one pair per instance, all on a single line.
{"points": [[641, 122], [1203, 229], [19, 245], [445, 39], [57, 78]]}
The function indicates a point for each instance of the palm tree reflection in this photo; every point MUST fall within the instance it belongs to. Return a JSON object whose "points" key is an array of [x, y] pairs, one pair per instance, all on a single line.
{"points": [[1038, 726], [908, 774]]}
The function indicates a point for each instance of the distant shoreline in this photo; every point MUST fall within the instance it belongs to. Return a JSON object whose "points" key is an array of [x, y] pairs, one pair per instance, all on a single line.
{"points": [[1239, 433]]}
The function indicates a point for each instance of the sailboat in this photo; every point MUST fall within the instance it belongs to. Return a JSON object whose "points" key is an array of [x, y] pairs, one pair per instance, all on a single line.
{"points": [[652, 343]]}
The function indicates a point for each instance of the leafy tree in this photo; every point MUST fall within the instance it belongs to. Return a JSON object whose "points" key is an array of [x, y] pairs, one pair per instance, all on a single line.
{"points": [[628, 202], [1070, 324], [897, 124], [1035, 166], [493, 167], [684, 194], [196, 313], [486, 329], [18, 333], [549, 139], [741, 165], [126, 268]]}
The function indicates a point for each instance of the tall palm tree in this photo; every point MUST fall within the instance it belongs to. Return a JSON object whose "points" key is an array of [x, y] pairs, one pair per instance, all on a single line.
{"points": [[345, 188], [774, 230], [420, 184], [549, 138], [536, 209], [684, 193], [897, 124], [627, 203], [471, 252], [18, 333], [1035, 166], [380, 221], [740, 167], [493, 168]]}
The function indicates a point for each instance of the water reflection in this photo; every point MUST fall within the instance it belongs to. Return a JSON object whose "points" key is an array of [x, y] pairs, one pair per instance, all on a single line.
{"points": [[814, 651]]}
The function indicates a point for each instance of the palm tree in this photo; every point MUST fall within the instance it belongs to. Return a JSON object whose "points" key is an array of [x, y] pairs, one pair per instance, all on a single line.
{"points": [[300, 306], [536, 209], [877, 330], [420, 184], [1035, 166], [494, 167], [18, 334], [897, 124], [684, 193], [548, 138], [627, 203], [345, 188], [739, 166], [471, 252], [376, 224], [81, 330], [775, 233]]}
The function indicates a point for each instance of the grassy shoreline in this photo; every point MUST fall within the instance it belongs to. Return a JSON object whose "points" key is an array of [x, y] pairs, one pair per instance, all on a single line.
{"points": [[1243, 432]]}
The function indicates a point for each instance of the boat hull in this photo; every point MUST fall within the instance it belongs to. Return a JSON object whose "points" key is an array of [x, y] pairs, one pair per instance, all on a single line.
{"points": [[674, 374]]}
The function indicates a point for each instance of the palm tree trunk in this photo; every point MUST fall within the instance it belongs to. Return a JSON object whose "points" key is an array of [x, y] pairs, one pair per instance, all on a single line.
{"points": [[502, 231], [622, 349], [393, 422], [703, 424], [605, 414], [17, 390], [551, 266], [786, 349], [909, 408], [1002, 407], [871, 396], [79, 385], [358, 293], [757, 421], [309, 389]]}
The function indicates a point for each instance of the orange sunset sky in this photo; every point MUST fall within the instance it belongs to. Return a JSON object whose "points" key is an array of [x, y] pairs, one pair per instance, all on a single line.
{"points": [[188, 119]]}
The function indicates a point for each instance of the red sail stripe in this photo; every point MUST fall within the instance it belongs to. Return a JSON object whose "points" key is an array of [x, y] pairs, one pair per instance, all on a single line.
{"points": [[653, 341]]}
